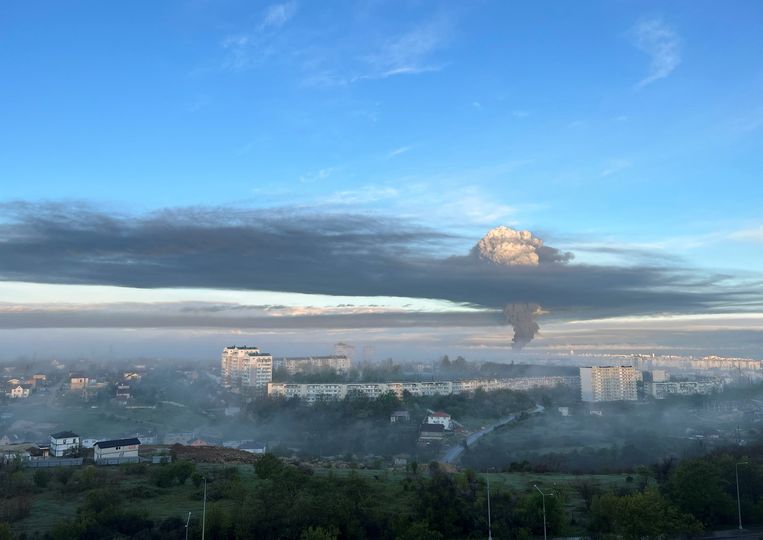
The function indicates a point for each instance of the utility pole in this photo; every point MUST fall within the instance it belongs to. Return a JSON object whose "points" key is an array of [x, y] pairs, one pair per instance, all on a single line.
{"points": [[543, 498], [489, 523], [187, 521], [739, 500], [204, 511]]}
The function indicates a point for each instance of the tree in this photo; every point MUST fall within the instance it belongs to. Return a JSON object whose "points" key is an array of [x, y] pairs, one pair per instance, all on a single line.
{"points": [[587, 489], [696, 488], [639, 516], [268, 466]]}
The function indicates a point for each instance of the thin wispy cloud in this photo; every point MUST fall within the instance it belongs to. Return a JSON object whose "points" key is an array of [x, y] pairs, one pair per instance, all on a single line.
{"points": [[399, 151], [246, 49], [614, 166], [277, 15], [237, 53], [408, 53], [661, 42], [754, 234], [364, 195], [321, 174]]}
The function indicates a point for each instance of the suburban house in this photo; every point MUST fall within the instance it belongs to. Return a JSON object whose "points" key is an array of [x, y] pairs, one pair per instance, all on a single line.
{"points": [[440, 418], [430, 433], [399, 417], [78, 382], [19, 391], [253, 447], [64, 443], [117, 450]]}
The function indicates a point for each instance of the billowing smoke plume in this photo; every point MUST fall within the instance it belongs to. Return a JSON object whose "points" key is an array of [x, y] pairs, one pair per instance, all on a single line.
{"points": [[505, 246], [522, 318]]}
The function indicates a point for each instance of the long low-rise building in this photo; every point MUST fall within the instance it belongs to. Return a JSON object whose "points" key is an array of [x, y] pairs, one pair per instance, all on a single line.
{"points": [[117, 451], [306, 364], [313, 392], [660, 390]]}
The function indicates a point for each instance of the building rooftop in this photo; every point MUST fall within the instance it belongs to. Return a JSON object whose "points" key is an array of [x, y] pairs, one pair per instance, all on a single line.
{"points": [[64, 435], [117, 442]]}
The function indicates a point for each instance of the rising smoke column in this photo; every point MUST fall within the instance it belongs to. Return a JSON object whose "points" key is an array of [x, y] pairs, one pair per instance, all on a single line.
{"points": [[522, 318], [507, 247]]}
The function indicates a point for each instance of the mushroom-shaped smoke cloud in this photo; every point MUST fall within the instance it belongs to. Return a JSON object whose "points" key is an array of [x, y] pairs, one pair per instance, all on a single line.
{"points": [[504, 246]]}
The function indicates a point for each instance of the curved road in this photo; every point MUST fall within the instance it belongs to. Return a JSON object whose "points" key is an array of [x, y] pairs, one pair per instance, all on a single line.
{"points": [[454, 452]]}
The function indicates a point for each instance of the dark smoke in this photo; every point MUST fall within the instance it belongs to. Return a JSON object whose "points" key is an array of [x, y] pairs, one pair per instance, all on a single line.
{"points": [[522, 318]]}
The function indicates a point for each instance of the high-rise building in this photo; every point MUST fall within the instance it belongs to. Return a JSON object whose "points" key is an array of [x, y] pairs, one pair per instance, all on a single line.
{"points": [[608, 383], [246, 367], [345, 349]]}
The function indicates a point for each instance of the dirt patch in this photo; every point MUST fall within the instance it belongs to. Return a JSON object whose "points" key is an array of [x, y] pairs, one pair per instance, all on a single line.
{"points": [[212, 454]]}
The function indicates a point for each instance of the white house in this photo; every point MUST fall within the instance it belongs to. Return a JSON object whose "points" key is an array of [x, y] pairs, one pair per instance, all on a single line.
{"points": [[253, 447], [19, 391], [399, 417], [64, 443], [117, 449], [440, 418]]}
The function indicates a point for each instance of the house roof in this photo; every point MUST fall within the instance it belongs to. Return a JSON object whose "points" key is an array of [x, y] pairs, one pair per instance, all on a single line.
{"points": [[252, 444], [440, 415], [400, 413], [432, 428], [117, 442], [64, 435]]}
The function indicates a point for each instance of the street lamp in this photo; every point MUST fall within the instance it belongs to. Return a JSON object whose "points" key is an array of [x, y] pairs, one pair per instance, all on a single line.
{"points": [[543, 498], [489, 525], [204, 511], [739, 500], [187, 521]]}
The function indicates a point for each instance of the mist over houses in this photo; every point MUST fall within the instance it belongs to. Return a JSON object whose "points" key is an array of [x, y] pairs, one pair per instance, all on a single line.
{"points": [[210, 405]]}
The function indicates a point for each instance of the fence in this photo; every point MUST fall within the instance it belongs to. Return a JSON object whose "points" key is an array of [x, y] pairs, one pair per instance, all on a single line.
{"points": [[39, 463]]}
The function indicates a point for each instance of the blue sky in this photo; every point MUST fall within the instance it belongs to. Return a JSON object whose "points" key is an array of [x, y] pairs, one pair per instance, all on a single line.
{"points": [[627, 123]]}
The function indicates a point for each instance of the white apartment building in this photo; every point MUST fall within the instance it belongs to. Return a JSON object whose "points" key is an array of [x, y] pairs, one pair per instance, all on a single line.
{"points": [[64, 443], [246, 367], [305, 364], [312, 392], [608, 383]]}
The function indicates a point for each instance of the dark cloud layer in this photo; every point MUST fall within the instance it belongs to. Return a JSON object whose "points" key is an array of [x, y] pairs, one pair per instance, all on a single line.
{"points": [[299, 251]]}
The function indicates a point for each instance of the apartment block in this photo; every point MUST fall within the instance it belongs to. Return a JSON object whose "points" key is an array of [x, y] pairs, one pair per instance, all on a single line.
{"points": [[608, 383], [246, 367]]}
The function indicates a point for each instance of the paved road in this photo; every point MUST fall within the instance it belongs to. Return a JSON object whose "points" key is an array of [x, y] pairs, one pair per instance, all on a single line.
{"points": [[454, 452]]}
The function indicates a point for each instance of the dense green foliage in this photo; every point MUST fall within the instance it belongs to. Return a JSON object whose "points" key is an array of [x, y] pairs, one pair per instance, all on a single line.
{"points": [[277, 500]]}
